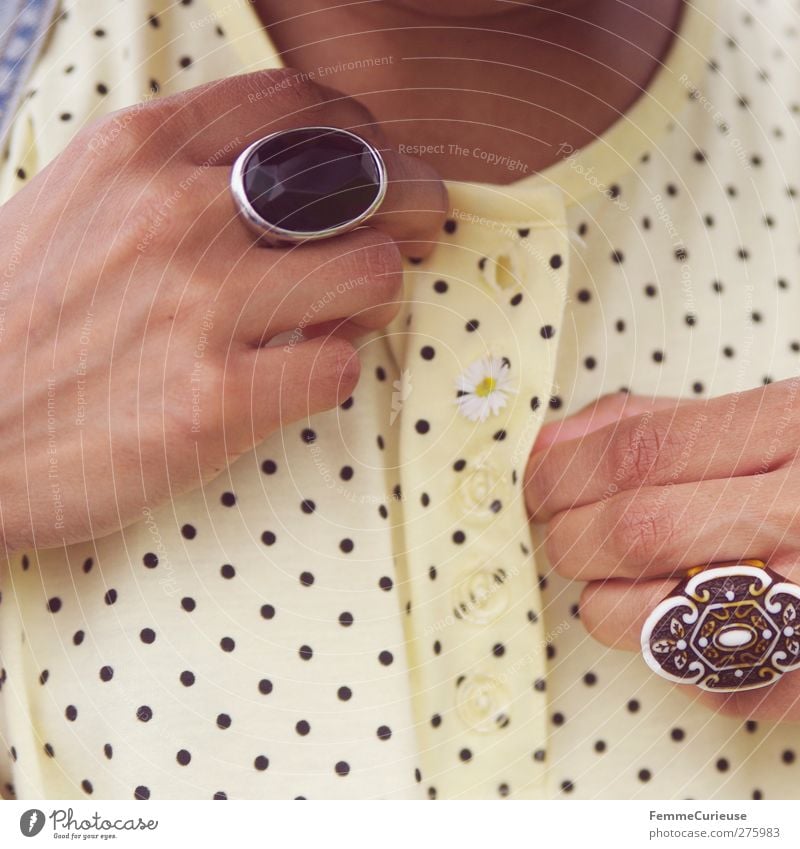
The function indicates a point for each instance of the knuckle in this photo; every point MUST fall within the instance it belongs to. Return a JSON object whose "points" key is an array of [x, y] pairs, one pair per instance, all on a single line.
{"points": [[295, 90], [383, 264], [641, 448], [123, 136], [540, 477], [337, 369], [639, 532], [556, 546]]}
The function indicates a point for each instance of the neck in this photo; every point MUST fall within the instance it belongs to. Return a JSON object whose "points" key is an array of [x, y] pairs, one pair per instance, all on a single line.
{"points": [[487, 97]]}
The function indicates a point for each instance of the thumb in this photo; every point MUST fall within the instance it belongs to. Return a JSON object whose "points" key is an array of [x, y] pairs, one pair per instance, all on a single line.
{"points": [[604, 411]]}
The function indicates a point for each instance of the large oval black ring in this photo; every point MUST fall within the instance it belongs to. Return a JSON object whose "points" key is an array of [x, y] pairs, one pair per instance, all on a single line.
{"points": [[307, 183]]}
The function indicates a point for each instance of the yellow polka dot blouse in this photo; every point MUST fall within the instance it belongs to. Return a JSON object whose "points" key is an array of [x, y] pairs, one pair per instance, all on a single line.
{"points": [[354, 609]]}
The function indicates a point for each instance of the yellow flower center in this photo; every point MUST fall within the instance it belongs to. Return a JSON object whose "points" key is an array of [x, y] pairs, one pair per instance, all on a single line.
{"points": [[485, 387]]}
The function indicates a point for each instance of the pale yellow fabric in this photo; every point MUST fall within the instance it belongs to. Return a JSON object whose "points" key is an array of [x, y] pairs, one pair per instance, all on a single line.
{"points": [[467, 673]]}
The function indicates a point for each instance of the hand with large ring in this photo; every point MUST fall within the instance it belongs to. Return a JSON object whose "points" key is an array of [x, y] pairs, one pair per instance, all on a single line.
{"points": [[141, 314], [635, 494]]}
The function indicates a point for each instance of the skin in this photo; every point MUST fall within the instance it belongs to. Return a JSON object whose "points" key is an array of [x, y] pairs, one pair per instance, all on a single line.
{"points": [[577, 66], [515, 79], [152, 265], [672, 484]]}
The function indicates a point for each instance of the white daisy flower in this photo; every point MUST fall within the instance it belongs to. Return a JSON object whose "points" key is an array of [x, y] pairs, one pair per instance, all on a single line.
{"points": [[484, 387]]}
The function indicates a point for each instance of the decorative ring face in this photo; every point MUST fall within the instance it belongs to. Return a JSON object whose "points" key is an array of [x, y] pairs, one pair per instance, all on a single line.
{"points": [[725, 629], [307, 183]]}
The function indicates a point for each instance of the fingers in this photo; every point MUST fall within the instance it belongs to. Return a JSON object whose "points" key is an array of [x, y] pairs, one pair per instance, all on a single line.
{"points": [[614, 613], [732, 435], [357, 277], [268, 388], [658, 531], [604, 411], [216, 122], [415, 206]]}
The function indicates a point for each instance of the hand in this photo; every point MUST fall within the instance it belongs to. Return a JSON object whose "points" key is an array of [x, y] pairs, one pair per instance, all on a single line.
{"points": [[635, 491], [132, 349]]}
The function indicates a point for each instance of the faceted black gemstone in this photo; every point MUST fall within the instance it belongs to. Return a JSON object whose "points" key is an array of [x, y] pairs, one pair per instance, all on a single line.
{"points": [[311, 179]]}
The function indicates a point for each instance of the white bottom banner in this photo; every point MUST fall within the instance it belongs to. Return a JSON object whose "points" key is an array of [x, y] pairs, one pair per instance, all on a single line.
{"points": [[553, 825]]}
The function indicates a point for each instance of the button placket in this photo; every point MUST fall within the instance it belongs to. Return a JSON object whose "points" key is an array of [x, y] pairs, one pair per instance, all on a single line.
{"points": [[474, 649]]}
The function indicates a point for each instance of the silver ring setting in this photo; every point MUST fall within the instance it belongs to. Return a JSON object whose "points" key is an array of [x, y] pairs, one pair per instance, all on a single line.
{"points": [[307, 183]]}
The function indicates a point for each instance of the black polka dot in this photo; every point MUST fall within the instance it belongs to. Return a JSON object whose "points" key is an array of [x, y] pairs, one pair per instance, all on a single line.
{"points": [[342, 768], [141, 792], [224, 721], [261, 763], [187, 678], [54, 604], [183, 757], [465, 755], [147, 636], [305, 652], [386, 658], [427, 352], [227, 644], [556, 261], [188, 604], [144, 713], [344, 694], [188, 532], [265, 686], [106, 673], [227, 571], [228, 499], [269, 467], [150, 560], [302, 727], [110, 597]]}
